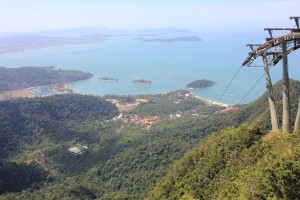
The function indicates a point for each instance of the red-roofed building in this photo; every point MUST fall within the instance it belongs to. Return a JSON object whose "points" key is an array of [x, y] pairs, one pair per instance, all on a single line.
{"points": [[228, 109]]}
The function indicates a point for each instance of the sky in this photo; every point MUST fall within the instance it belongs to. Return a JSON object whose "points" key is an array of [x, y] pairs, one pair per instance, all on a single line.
{"points": [[36, 15]]}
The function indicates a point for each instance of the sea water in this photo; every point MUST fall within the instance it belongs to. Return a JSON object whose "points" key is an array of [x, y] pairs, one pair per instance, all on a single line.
{"points": [[170, 66]]}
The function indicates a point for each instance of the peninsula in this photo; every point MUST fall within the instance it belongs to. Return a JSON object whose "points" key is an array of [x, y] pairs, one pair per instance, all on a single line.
{"points": [[26, 77], [200, 84]]}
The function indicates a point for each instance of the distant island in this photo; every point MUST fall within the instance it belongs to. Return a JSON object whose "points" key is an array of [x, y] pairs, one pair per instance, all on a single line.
{"points": [[142, 81], [108, 79], [200, 84], [25, 77]]}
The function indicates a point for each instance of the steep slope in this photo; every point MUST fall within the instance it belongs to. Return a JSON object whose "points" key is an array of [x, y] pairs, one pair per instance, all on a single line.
{"points": [[236, 164], [257, 112], [240, 163]]}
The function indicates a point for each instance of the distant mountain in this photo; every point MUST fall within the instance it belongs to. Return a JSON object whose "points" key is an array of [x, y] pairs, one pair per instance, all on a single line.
{"points": [[80, 31], [25, 42], [71, 32], [13, 42]]}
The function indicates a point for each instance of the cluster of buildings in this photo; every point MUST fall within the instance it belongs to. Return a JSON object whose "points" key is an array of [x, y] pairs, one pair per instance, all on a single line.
{"points": [[228, 109], [78, 149]]}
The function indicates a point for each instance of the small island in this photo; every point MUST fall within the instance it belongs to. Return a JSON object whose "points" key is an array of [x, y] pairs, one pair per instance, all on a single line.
{"points": [[200, 84], [108, 79], [142, 81]]}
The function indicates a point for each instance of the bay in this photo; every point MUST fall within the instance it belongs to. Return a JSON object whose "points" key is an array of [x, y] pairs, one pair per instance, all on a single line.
{"points": [[170, 66]]}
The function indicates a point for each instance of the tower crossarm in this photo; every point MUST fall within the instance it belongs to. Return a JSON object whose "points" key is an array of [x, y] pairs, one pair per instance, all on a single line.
{"points": [[279, 56], [293, 37]]}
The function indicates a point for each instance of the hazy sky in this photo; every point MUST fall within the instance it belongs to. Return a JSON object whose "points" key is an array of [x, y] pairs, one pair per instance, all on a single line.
{"points": [[34, 15]]}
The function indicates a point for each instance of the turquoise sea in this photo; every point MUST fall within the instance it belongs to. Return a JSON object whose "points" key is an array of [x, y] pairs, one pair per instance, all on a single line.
{"points": [[170, 66]]}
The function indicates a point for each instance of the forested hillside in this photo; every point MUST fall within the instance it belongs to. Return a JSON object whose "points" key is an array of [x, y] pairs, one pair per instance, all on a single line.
{"points": [[25, 77], [240, 163], [26, 122], [236, 164], [122, 161], [33, 128]]}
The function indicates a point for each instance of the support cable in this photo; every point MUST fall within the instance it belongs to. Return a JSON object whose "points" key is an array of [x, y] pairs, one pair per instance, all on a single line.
{"points": [[230, 83], [250, 90]]}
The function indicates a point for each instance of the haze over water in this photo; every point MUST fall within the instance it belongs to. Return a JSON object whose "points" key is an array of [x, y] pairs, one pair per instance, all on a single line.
{"points": [[170, 66]]}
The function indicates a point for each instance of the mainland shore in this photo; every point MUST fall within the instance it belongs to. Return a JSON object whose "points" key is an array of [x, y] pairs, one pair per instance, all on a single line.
{"points": [[213, 102], [63, 89], [59, 88]]}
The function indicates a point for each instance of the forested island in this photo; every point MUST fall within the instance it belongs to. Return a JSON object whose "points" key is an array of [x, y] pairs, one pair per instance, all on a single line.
{"points": [[142, 81], [108, 79], [200, 84], [25, 77]]}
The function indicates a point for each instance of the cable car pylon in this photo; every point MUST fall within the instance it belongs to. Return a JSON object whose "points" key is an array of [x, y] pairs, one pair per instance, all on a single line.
{"points": [[272, 51]]}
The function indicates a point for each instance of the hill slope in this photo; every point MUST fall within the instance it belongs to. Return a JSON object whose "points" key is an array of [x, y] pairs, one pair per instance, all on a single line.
{"points": [[240, 163], [26, 122], [123, 161], [236, 164]]}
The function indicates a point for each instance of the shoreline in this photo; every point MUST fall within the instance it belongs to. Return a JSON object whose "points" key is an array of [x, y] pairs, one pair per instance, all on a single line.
{"points": [[30, 92], [62, 88], [213, 102], [23, 49]]}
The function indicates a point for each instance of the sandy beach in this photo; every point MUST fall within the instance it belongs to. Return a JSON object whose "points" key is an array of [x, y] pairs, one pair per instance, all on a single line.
{"points": [[27, 93], [213, 102]]}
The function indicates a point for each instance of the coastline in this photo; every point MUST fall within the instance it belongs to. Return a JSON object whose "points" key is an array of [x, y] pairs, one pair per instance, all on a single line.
{"points": [[212, 102], [63, 89], [23, 49], [57, 88]]}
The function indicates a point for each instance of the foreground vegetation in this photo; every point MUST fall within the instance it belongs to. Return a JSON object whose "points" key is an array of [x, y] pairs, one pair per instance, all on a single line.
{"points": [[236, 164], [124, 161]]}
